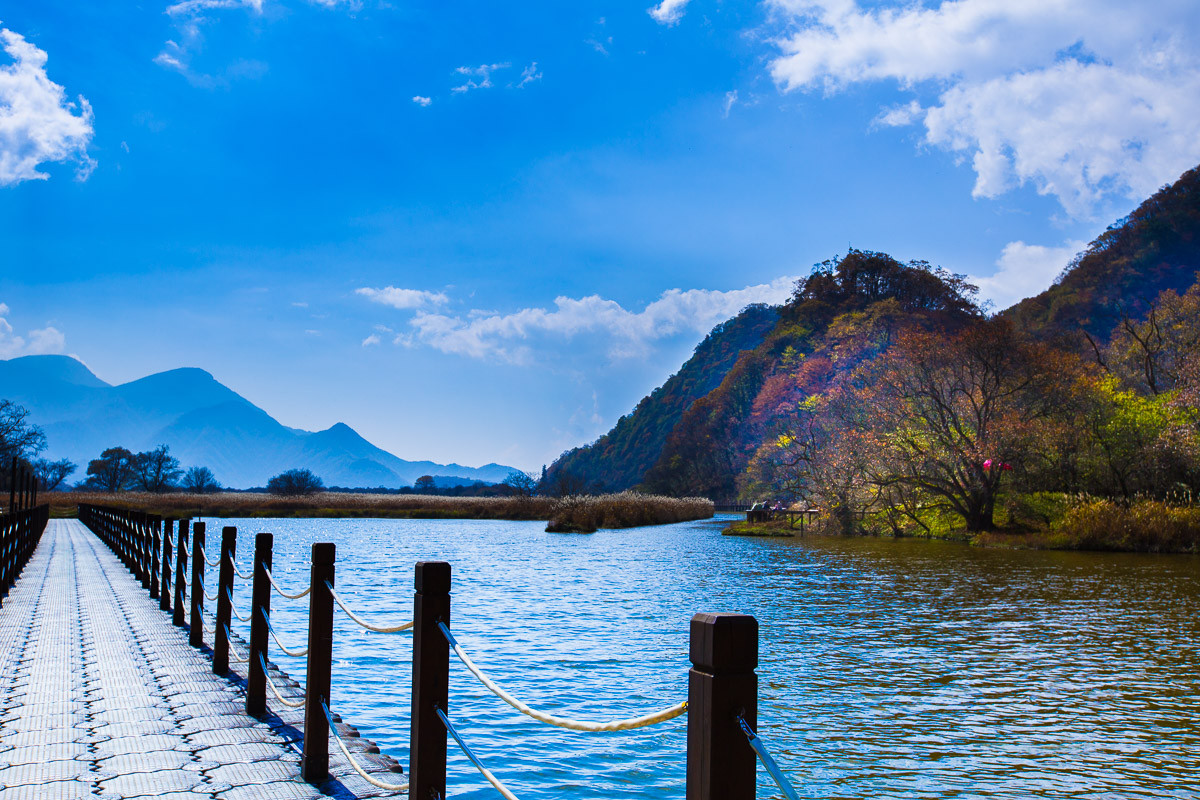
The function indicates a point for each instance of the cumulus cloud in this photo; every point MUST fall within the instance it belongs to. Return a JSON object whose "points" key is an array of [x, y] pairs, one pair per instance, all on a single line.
{"points": [[37, 342], [668, 12], [38, 124], [477, 77], [402, 298], [620, 333], [422, 101], [1080, 99], [1024, 270]]}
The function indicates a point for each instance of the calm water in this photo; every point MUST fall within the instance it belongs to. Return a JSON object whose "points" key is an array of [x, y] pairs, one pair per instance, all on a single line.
{"points": [[888, 669]]}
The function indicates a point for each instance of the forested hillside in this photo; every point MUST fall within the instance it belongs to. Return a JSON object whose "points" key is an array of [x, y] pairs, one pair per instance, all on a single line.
{"points": [[772, 387], [619, 459], [1155, 248]]}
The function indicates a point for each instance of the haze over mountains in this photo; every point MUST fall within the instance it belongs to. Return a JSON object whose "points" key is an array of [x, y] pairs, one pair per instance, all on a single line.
{"points": [[205, 424]]}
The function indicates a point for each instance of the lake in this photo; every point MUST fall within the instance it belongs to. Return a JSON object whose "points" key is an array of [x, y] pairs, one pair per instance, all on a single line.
{"points": [[888, 668]]}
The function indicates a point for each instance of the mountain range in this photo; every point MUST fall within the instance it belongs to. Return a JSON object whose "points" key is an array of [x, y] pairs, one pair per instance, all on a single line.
{"points": [[205, 424], [698, 432]]}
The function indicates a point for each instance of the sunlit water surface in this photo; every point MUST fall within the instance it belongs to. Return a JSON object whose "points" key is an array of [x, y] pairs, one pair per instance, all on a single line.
{"points": [[888, 668]]}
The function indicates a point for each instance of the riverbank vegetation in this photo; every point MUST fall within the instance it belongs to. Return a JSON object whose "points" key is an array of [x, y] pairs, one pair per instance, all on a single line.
{"points": [[587, 513], [573, 513]]}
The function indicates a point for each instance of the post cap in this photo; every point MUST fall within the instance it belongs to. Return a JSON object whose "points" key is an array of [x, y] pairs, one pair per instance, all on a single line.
{"points": [[263, 539], [324, 552], [198, 527], [433, 577], [724, 643]]}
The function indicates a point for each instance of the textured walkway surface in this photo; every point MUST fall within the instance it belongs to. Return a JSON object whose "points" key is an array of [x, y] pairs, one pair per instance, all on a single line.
{"points": [[100, 696]]}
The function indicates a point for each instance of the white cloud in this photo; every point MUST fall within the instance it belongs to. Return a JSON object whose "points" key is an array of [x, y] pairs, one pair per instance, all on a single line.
{"points": [[730, 99], [36, 342], [477, 77], [529, 75], [518, 336], [1024, 270], [1081, 99], [668, 12], [371, 340], [37, 123], [402, 298], [422, 101]]}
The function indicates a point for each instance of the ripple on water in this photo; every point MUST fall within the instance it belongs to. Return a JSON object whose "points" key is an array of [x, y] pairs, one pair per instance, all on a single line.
{"points": [[904, 669]]}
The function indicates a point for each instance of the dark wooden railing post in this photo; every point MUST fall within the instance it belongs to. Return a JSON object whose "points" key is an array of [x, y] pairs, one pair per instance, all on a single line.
{"points": [[154, 526], [430, 681], [178, 613], [164, 596], [196, 623], [721, 685], [12, 488], [260, 609], [224, 604], [314, 766]]}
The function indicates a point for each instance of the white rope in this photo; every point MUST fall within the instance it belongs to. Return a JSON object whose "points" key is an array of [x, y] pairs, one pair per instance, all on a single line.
{"points": [[487, 773], [376, 628], [294, 653], [549, 719], [271, 683], [216, 563], [229, 643], [243, 575], [781, 780], [296, 596], [233, 609], [211, 597], [366, 776]]}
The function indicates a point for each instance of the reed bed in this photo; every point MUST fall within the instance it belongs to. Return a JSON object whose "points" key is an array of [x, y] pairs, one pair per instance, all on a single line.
{"points": [[322, 504], [588, 513]]}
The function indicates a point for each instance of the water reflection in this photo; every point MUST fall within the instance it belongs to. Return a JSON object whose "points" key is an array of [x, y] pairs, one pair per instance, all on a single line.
{"points": [[889, 668]]}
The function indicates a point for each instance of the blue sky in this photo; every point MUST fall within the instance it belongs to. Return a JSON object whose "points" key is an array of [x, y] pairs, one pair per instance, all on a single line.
{"points": [[482, 231]]}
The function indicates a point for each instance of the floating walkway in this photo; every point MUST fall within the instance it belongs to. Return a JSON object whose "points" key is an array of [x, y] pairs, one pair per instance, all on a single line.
{"points": [[102, 697]]}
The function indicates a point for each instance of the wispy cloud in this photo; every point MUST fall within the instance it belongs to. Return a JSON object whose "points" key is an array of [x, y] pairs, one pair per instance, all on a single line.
{"points": [[731, 99], [529, 75], [668, 12], [402, 298], [586, 323], [36, 342], [1082, 99], [38, 124], [424, 102], [477, 77]]}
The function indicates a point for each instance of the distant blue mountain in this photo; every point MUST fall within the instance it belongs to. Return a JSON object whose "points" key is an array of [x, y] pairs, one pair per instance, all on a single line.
{"points": [[204, 423]]}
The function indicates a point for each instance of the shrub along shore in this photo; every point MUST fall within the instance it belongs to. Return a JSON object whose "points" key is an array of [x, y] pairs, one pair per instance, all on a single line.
{"points": [[1040, 521], [575, 513]]}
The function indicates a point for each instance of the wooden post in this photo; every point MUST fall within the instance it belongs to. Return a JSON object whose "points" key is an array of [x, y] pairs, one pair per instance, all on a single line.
{"points": [[260, 609], [196, 625], [721, 686], [178, 615], [430, 682], [154, 524], [314, 765], [12, 488], [224, 604], [164, 596]]}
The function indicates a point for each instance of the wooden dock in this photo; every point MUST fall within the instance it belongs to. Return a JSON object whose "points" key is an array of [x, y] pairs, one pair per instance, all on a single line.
{"points": [[101, 696]]}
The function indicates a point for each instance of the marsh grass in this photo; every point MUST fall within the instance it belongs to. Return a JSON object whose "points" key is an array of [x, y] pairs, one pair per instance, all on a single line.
{"points": [[322, 504], [588, 513], [1145, 526]]}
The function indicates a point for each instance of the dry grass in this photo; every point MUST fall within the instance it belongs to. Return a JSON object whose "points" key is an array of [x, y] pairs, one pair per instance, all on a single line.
{"points": [[1147, 526], [324, 504], [587, 513]]}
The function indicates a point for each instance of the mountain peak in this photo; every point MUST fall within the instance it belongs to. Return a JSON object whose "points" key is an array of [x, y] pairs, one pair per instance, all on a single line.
{"points": [[66, 369]]}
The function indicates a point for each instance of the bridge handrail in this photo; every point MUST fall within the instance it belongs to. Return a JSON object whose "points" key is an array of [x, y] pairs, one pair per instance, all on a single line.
{"points": [[404, 626]]}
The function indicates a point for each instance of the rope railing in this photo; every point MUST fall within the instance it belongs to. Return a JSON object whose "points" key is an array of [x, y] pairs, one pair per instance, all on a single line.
{"points": [[213, 564], [363, 623], [366, 776], [246, 576], [297, 653], [232, 655], [571, 724], [773, 769], [267, 675], [279, 588], [487, 773], [233, 609]]}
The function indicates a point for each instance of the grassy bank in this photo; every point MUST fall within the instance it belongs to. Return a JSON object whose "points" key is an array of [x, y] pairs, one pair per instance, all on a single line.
{"points": [[587, 513], [1039, 521], [324, 504]]}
